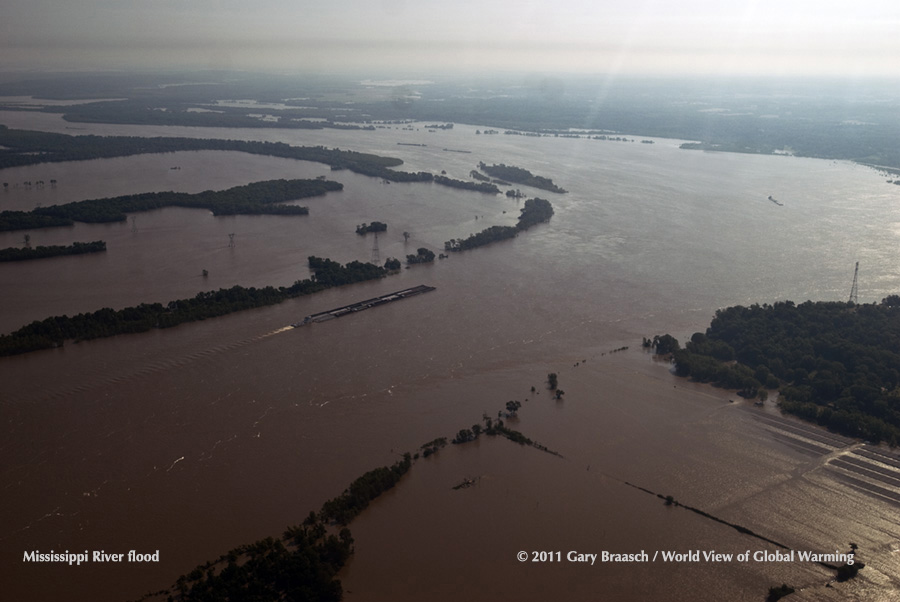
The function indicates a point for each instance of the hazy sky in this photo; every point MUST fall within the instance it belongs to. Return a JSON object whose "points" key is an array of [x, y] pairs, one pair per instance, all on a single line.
{"points": [[842, 37]]}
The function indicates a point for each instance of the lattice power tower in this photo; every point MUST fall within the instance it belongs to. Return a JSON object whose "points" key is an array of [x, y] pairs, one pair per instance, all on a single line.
{"points": [[854, 290], [376, 254]]}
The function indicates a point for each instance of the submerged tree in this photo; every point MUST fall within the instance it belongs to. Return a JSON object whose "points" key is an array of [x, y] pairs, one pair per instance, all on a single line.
{"points": [[551, 381]]}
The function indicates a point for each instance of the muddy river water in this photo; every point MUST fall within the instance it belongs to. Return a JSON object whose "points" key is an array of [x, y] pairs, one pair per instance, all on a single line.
{"points": [[196, 439]]}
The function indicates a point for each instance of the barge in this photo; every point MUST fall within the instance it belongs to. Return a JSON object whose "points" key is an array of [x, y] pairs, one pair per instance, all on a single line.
{"points": [[363, 305]]}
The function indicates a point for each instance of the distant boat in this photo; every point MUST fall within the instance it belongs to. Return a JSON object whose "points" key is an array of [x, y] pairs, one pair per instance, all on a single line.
{"points": [[771, 198]]}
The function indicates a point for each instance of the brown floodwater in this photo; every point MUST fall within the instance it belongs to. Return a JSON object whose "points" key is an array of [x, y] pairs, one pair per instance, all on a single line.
{"points": [[197, 439]]}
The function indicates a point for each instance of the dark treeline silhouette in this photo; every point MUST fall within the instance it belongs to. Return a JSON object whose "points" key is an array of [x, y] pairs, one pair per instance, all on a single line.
{"points": [[364, 229], [54, 331], [26, 147], [519, 176], [356, 498], [485, 237], [252, 199], [423, 255], [330, 273], [493, 428], [474, 186], [302, 565], [836, 364], [534, 212], [27, 253], [147, 112]]}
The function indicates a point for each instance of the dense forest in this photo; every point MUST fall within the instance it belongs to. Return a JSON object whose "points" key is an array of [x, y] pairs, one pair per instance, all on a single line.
{"points": [[535, 211], [519, 176], [27, 253], [837, 364], [53, 332], [252, 199]]}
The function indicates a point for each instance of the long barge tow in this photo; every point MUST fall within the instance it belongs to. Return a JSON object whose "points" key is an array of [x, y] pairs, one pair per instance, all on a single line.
{"points": [[363, 305]]}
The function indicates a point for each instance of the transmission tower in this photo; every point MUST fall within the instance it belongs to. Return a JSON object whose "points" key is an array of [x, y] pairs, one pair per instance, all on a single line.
{"points": [[376, 254], [231, 240], [854, 292]]}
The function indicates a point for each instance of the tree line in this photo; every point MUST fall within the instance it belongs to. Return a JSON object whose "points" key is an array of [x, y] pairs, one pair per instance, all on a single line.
{"points": [[257, 198], [519, 176], [484, 187], [41, 252], [837, 364], [26, 147], [54, 331], [423, 255], [535, 211], [149, 112], [303, 564], [364, 228], [356, 497]]}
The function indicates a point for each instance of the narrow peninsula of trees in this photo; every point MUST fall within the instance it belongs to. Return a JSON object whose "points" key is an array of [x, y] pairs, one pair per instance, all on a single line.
{"points": [[534, 212], [303, 564], [474, 186], [348, 505], [53, 332], [520, 176], [493, 428], [25, 147], [252, 199], [837, 364], [27, 253], [485, 237]]}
